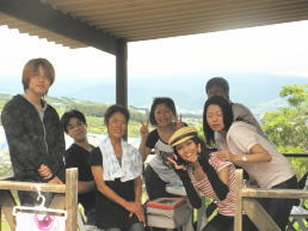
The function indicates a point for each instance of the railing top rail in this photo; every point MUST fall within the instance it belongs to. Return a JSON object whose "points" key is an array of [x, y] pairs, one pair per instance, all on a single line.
{"points": [[274, 193], [298, 155], [31, 186]]}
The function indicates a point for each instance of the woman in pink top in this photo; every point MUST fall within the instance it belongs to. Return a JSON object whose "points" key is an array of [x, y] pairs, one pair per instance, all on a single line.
{"points": [[192, 157], [240, 143]]}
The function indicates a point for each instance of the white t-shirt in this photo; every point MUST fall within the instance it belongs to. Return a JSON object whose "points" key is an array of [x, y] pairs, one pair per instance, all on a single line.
{"points": [[241, 137], [242, 113]]}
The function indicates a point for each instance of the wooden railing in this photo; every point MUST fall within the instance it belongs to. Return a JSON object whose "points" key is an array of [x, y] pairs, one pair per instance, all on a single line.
{"points": [[246, 200], [65, 197]]}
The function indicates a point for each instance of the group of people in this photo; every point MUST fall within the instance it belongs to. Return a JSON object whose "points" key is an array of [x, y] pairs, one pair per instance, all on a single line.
{"points": [[109, 180], [110, 175]]}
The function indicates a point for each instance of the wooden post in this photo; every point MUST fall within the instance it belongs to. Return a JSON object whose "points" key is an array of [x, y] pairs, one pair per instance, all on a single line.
{"points": [[121, 72], [201, 217], [7, 204], [259, 216], [238, 205], [71, 200]]}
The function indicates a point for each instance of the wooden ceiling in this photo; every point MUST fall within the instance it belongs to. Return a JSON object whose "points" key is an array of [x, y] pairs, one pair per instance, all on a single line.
{"points": [[101, 23]]}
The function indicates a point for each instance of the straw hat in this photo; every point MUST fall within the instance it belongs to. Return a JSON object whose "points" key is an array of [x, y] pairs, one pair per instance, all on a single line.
{"points": [[181, 135]]}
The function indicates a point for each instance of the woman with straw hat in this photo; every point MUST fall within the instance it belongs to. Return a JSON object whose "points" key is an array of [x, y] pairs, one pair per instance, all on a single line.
{"points": [[191, 156]]}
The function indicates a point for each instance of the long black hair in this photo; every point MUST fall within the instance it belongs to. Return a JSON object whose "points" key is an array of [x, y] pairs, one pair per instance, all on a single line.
{"points": [[219, 187], [226, 108]]}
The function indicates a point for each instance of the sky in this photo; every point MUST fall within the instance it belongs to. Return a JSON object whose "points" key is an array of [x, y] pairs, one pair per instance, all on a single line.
{"points": [[277, 49]]}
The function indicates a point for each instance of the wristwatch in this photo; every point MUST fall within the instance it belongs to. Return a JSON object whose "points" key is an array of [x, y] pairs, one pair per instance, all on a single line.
{"points": [[244, 158]]}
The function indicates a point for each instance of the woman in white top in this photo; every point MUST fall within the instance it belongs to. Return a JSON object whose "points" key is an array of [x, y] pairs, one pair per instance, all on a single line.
{"points": [[240, 143]]}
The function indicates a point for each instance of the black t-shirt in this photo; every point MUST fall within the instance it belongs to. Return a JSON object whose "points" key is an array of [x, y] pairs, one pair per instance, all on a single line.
{"points": [[78, 157], [161, 148], [152, 139]]}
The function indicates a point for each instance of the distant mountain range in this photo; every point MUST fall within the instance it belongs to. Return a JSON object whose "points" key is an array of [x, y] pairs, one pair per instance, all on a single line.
{"points": [[255, 90]]}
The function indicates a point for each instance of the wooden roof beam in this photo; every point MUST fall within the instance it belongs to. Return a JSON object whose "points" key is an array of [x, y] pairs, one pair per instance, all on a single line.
{"points": [[43, 15]]}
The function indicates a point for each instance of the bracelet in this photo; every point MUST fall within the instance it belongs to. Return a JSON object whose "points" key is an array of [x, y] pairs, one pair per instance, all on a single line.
{"points": [[244, 158]]}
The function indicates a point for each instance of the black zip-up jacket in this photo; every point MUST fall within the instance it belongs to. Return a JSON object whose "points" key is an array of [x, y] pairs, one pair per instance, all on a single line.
{"points": [[31, 141]]}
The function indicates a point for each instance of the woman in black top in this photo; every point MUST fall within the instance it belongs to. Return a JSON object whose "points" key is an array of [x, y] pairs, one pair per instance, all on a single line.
{"points": [[158, 173]]}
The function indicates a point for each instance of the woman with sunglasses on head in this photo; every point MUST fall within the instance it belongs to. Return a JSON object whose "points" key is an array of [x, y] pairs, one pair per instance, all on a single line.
{"points": [[158, 173]]}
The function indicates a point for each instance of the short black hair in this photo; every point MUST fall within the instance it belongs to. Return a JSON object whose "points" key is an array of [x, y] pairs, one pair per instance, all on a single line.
{"points": [[67, 116], [114, 109], [161, 100], [217, 82], [226, 108]]}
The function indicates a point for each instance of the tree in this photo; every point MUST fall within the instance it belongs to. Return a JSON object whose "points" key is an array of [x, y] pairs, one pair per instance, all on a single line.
{"points": [[287, 127]]}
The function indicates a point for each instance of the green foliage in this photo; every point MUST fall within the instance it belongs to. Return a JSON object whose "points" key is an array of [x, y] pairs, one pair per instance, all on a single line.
{"points": [[88, 108], [5, 164], [136, 116], [297, 94], [96, 125], [300, 165], [200, 132], [6, 170], [133, 129], [287, 127]]}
